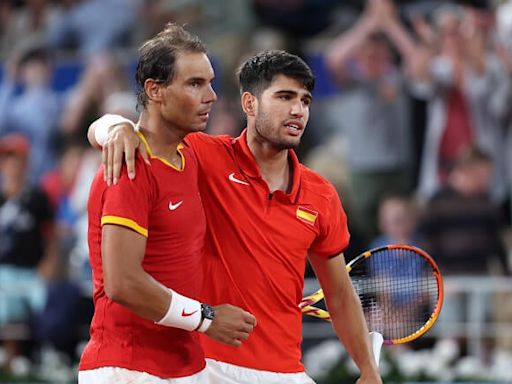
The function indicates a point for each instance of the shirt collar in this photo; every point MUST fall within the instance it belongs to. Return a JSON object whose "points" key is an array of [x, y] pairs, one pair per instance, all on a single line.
{"points": [[248, 165]]}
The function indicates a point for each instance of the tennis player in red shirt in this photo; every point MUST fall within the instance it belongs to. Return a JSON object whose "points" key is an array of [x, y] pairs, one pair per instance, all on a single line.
{"points": [[266, 214], [146, 236]]}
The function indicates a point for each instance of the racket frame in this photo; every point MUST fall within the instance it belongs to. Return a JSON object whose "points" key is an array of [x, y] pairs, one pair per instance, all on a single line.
{"points": [[308, 308]]}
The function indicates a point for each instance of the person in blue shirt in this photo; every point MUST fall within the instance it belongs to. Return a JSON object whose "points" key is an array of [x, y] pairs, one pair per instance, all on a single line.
{"points": [[29, 106]]}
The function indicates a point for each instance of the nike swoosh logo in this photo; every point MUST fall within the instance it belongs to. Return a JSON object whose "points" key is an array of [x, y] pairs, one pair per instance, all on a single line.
{"points": [[172, 206], [185, 314], [235, 180]]}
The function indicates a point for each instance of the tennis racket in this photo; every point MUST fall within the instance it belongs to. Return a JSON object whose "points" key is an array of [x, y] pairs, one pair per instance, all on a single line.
{"points": [[401, 291]]}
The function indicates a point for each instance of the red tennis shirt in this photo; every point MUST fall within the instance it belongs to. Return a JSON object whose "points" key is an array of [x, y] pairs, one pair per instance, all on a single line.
{"points": [[257, 245], [163, 204]]}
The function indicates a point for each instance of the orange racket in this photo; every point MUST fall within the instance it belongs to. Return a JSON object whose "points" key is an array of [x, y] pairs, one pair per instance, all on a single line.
{"points": [[401, 291]]}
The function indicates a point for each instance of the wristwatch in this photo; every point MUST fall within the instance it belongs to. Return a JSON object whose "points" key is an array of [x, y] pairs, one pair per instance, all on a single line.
{"points": [[207, 311], [207, 315]]}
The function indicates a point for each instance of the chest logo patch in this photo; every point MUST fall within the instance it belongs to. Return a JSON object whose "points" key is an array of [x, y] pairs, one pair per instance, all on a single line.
{"points": [[232, 178], [172, 206], [306, 215]]}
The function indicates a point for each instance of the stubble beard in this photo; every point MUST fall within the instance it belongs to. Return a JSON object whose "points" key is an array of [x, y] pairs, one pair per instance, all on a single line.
{"points": [[264, 128]]}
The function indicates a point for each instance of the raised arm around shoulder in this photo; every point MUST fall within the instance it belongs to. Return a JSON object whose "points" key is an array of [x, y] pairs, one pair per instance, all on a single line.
{"points": [[98, 131], [346, 313], [115, 136]]}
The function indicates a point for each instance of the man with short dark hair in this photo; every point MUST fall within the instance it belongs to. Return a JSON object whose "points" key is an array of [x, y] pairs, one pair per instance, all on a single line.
{"points": [[146, 236]]}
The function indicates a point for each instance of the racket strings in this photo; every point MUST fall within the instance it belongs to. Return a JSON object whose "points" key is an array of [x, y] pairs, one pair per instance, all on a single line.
{"points": [[398, 292]]}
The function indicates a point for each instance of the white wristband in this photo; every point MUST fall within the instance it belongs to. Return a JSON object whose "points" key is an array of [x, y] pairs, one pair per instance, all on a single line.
{"points": [[184, 313], [103, 124]]}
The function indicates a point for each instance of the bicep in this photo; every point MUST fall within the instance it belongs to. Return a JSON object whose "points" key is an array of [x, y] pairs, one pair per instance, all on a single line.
{"points": [[122, 252]]}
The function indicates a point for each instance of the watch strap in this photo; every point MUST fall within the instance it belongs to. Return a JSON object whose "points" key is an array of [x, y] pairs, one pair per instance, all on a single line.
{"points": [[207, 315], [205, 324]]}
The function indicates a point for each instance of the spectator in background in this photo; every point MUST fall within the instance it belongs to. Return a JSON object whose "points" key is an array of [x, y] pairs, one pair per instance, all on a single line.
{"points": [[35, 111], [89, 26], [398, 221], [465, 86], [461, 226], [103, 75], [398, 224], [502, 302], [58, 184], [372, 111], [291, 22], [6, 18], [24, 25], [97, 29], [28, 251], [504, 29]]}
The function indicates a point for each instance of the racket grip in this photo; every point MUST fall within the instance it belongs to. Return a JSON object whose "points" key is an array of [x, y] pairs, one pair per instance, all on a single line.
{"points": [[376, 340]]}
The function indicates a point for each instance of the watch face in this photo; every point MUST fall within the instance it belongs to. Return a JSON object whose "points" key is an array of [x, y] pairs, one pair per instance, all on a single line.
{"points": [[207, 311]]}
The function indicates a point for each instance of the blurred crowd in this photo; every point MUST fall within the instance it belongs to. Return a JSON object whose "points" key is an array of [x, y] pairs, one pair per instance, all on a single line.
{"points": [[412, 122]]}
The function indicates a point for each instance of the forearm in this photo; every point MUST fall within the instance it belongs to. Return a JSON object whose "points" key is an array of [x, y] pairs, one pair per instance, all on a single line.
{"points": [[142, 294], [401, 39], [350, 327], [147, 298], [346, 313], [128, 284], [344, 46]]}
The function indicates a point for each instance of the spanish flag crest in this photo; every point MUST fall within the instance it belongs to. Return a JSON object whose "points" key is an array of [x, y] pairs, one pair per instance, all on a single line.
{"points": [[306, 215]]}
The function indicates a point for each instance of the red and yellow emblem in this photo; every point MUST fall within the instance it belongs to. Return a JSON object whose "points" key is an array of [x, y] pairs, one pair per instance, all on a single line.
{"points": [[306, 215]]}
